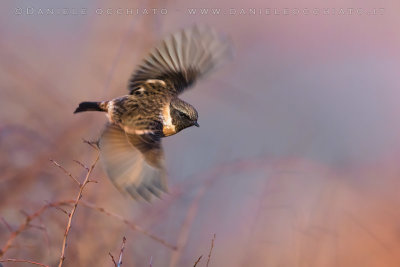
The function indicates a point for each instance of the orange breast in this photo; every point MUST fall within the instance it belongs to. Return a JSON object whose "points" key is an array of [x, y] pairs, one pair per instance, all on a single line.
{"points": [[169, 130]]}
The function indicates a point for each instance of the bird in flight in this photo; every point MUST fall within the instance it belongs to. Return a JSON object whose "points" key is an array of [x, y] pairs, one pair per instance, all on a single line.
{"points": [[130, 145]]}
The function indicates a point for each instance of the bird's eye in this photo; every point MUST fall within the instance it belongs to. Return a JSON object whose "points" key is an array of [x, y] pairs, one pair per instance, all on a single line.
{"points": [[184, 115]]}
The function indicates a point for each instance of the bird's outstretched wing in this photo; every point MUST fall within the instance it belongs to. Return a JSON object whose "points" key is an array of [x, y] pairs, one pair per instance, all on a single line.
{"points": [[134, 163], [182, 58]]}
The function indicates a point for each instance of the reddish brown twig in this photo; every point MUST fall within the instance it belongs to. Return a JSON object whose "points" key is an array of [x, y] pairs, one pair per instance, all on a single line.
{"points": [[122, 251], [93, 144], [26, 224], [113, 260], [57, 207], [119, 264], [198, 260], [66, 172], [26, 261], [81, 164], [211, 248], [71, 214]]}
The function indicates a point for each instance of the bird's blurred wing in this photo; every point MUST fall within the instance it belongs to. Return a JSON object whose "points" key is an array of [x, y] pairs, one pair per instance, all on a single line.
{"points": [[134, 163], [182, 58]]}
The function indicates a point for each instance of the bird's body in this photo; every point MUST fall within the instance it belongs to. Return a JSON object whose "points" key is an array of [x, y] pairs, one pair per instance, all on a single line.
{"points": [[130, 145], [151, 109]]}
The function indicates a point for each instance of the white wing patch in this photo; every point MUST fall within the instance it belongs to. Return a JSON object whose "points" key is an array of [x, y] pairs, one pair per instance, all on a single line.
{"points": [[132, 130], [140, 132], [168, 127], [110, 109], [156, 81]]}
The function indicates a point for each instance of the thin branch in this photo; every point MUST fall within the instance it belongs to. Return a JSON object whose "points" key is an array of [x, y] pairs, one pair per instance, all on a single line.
{"points": [[66, 172], [71, 214], [39, 227], [6, 224], [130, 224], [26, 261], [122, 251], [112, 258], [46, 235], [93, 144], [26, 224], [57, 207], [81, 164], [212, 246], [151, 261], [120, 254], [198, 260]]}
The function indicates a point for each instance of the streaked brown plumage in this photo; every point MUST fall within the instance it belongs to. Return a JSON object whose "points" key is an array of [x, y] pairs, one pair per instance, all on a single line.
{"points": [[130, 145]]}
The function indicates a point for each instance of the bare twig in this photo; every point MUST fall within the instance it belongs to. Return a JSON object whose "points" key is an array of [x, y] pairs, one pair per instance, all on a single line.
{"points": [[211, 248], [119, 264], [57, 207], [93, 144], [131, 225], [198, 260], [122, 251], [81, 164], [151, 261], [66, 172], [26, 224], [120, 254], [26, 261], [39, 227], [71, 214], [113, 260]]}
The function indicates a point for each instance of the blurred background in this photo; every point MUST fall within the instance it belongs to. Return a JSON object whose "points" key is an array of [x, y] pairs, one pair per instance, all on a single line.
{"points": [[296, 162]]}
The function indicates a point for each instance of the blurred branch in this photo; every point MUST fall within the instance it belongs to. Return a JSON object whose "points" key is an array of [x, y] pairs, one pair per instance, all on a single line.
{"points": [[26, 224], [32, 171], [6, 224], [26, 261], [187, 224], [12, 129], [130, 224], [71, 214], [58, 205]]}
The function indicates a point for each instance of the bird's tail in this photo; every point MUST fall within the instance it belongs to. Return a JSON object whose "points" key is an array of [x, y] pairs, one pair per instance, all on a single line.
{"points": [[92, 106]]}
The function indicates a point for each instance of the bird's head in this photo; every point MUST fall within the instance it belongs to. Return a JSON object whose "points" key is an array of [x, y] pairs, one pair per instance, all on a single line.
{"points": [[183, 114]]}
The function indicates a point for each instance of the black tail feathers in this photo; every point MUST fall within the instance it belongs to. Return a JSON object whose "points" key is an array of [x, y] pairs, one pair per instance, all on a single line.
{"points": [[91, 106]]}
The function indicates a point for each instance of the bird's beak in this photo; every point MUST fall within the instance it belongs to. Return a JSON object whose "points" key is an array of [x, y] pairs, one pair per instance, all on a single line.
{"points": [[196, 124]]}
